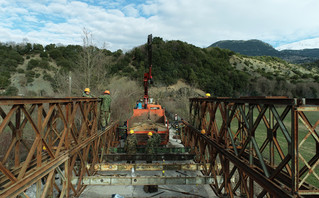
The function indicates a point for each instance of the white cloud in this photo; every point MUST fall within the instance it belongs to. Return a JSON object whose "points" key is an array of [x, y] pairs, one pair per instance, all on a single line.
{"points": [[126, 25], [305, 44], [131, 11]]}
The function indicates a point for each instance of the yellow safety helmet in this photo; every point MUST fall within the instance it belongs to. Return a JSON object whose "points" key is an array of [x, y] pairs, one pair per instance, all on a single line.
{"points": [[87, 90], [107, 92], [207, 94], [150, 133], [203, 131], [131, 131]]}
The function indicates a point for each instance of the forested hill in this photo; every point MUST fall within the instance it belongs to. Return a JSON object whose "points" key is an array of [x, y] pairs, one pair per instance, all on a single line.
{"points": [[209, 69], [26, 67], [256, 47], [252, 47]]}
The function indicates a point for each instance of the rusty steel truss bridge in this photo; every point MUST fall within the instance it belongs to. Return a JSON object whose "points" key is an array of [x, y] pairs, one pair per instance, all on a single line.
{"points": [[253, 147]]}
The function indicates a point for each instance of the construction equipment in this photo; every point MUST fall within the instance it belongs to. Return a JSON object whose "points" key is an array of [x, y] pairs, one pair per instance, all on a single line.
{"points": [[151, 117]]}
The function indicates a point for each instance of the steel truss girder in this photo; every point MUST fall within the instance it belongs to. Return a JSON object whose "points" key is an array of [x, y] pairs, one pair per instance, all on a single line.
{"points": [[54, 133], [156, 150], [143, 180], [148, 167], [149, 157], [235, 134]]}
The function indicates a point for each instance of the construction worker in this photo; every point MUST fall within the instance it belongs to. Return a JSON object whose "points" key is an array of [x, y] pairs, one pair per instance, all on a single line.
{"points": [[86, 93], [157, 138], [139, 104], [105, 108], [130, 146], [150, 147]]}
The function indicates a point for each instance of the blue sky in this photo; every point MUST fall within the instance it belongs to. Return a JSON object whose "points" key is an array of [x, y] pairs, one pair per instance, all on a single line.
{"points": [[124, 24]]}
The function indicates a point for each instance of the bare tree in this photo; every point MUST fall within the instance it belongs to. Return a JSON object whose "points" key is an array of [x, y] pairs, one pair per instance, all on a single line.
{"points": [[91, 71], [92, 66]]}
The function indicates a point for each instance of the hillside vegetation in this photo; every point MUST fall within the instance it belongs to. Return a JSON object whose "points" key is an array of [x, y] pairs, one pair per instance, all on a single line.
{"points": [[34, 70], [256, 47]]}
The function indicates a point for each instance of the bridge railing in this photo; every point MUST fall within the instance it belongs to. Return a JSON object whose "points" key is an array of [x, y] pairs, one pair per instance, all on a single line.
{"points": [[45, 137], [257, 146]]}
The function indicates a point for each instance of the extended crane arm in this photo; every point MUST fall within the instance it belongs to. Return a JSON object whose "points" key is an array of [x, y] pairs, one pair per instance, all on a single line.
{"points": [[148, 79]]}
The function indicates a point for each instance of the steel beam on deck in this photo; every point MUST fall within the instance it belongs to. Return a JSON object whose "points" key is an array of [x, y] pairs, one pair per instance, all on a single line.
{"points": [[143, 180], [149, 167], [157, 150], [155, 157]]}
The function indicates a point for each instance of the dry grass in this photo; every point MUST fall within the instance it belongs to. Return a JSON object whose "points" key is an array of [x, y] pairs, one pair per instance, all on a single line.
{"points": [[124, 93]]}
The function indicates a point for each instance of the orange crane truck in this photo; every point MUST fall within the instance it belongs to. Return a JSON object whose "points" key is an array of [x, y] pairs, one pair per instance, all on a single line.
{"points": [[150, 117]]}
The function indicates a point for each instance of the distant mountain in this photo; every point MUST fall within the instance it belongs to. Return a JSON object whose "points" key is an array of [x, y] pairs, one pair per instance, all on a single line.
{"points": [[259, 48], [300, 56], [252, 47]]}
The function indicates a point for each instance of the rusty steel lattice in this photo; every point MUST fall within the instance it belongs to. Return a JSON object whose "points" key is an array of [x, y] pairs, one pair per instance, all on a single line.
{"points": [[256, 147], [45, 137]]}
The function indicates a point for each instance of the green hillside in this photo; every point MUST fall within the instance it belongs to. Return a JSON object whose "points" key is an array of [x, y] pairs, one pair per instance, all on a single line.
{"points": [[44, 70], [252, 47], [209, 69]]}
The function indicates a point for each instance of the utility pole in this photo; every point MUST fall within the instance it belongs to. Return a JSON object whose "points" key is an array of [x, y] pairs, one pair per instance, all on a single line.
{"points": [[70, 83]]}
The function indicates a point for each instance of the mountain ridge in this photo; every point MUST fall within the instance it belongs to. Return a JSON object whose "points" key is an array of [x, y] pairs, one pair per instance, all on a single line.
{"points": [[218, 71], [255, 47]]}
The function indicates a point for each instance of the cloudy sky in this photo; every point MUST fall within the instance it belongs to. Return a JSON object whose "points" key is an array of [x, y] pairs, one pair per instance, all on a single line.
{"points": [[124, 24]]}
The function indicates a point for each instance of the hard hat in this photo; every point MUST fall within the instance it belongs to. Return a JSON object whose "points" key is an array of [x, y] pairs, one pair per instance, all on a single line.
{"points": [[150, 133], [131, 131], [87, 89], [107, 92], [44, 148], [207, 94], [203, 131]]}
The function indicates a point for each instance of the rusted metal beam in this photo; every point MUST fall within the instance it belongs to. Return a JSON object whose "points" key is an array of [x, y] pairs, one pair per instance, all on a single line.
{"points": [[266, 183], [143, 180], [244, 141], [22, 184], [23, 101], [56, 137], [150, 157], [156, 150], [148, 167], [251, 100]]}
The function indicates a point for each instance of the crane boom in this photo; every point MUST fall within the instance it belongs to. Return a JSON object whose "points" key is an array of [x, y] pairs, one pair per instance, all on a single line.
{"points": [[148, 75]]}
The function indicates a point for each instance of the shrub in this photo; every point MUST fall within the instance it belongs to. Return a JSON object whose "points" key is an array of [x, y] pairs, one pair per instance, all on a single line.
{"points": [[44, 64], [65, 64], [55, 53], [21, 71], [246, 62], [304, 76], [11, 91], [37, 48], [30, 76], [33, 64], [48, 77], [4, 82], [44, 55]]}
